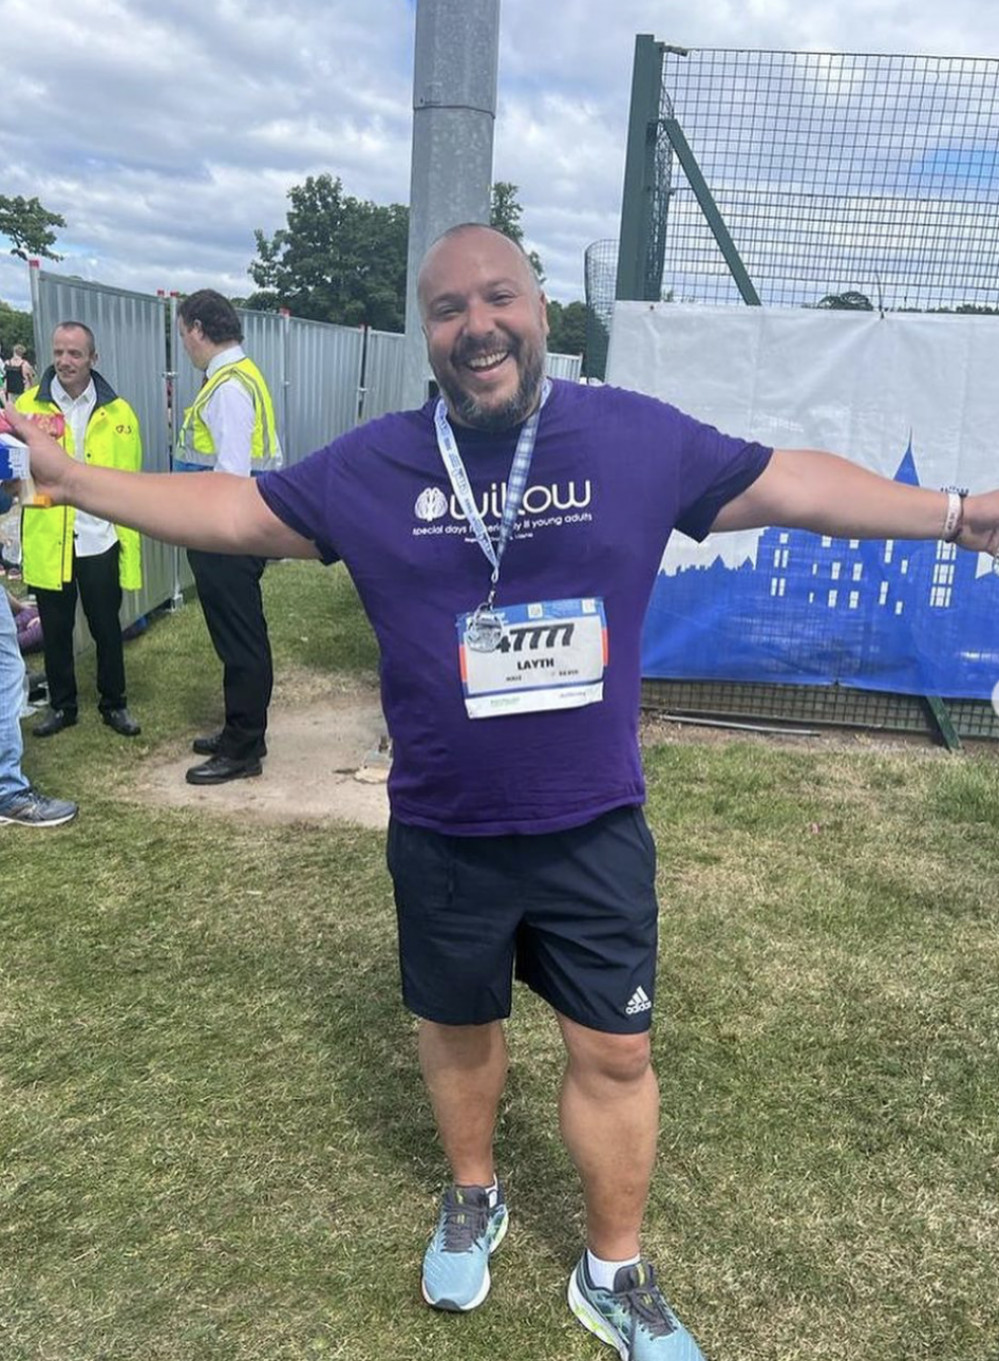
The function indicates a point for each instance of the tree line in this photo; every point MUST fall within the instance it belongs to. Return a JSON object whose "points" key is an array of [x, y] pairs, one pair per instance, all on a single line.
{"points": [[338, 259]]}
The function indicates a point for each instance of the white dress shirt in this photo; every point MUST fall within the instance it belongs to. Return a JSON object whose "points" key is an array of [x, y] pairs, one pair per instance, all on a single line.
{"points": [[229, 415], [91, 535]]}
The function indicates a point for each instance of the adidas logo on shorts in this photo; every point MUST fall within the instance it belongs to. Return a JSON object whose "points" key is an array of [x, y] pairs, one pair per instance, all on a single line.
{"points": [[639, 1002]]}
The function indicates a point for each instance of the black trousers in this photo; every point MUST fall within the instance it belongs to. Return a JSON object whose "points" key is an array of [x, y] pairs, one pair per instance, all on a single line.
{"points": [[229, 590], [95, 580]]}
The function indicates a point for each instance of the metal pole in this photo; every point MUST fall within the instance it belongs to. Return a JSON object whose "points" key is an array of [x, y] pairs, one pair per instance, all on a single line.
{"points": [[640, 169], [454, 112], [288, 436], [173, 426], [41, 342]]}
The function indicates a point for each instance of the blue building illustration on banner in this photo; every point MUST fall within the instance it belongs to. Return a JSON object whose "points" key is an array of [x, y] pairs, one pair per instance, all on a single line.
{"points": [[913, 618]]}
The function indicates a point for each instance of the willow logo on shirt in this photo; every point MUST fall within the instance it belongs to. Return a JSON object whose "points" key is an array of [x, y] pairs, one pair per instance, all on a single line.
{"points": [[432, 504]]}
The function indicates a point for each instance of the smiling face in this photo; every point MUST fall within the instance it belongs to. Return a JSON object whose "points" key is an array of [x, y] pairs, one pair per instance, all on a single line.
{"points": [[74, 357], [485, 321]]}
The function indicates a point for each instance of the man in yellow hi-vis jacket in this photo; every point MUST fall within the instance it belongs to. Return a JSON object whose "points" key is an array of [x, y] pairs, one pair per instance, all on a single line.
{"points": [[68, 553], [229, 427]]}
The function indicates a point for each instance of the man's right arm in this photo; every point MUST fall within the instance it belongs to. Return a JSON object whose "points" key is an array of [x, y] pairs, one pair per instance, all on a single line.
{"points": [[217, 513]]}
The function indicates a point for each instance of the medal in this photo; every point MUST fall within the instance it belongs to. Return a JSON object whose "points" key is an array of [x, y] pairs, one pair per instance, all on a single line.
{"points": [[485, 630]]}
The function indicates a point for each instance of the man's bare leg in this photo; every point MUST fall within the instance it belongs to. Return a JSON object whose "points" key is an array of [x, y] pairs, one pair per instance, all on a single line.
{"points": [[609, 1116], [464, 1067]]}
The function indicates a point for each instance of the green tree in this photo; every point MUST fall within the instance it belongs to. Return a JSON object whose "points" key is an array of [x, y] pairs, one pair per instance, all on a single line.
{"points": [[29, 227], [567, 328], [343, 259], [505, 213], [339, 259], [16, 328]]}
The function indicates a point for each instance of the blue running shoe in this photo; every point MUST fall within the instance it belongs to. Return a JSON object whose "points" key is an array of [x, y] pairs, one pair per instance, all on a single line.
{"points": [[456, 1264], [633, 1317]]}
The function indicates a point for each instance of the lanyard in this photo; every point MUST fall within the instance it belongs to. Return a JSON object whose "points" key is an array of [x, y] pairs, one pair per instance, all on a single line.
{"points": [[516, 482]]}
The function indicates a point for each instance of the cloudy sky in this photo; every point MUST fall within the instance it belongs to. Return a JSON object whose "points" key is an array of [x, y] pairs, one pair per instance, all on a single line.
{"points": [[165, 133]]}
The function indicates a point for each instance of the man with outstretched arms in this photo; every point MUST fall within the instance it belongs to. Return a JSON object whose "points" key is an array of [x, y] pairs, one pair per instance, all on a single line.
{"points": [[70, 554], [510, 642], [230, 427]]}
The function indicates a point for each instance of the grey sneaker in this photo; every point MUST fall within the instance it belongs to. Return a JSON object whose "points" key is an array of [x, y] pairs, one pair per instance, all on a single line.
{"points": [[633, 1317], [456, 1263], [32, 809]]}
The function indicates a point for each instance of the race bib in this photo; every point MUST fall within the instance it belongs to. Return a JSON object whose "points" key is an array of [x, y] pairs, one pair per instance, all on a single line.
{"points": [[547, 655]]}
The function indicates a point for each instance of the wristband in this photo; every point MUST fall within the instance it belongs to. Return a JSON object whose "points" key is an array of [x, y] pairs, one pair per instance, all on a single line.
{"points": [[954, 520]]}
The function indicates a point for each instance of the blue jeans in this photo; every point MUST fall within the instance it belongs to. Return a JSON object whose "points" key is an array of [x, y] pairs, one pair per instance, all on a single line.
{"points": [[12, 782]]}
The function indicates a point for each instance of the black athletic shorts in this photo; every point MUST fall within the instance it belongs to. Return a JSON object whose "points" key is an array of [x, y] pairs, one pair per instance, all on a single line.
{"points": [[573, 914]]}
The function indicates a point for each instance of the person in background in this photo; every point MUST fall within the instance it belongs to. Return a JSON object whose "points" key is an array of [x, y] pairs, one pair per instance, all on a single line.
{"points": [[10, 543], [18, 375], [20, 802], [229, 428], [70, 555], [27, 623]]}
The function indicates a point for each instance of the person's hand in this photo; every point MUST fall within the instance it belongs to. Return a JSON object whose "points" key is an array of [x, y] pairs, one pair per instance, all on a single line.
{"points": [[980, 531], [51, 466]]}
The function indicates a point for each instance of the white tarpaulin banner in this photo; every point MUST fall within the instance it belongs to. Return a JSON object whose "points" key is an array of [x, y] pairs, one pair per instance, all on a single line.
{"points": [[912, 396]]}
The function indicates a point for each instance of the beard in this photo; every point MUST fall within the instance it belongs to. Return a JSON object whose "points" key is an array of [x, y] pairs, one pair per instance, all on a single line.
{"points": [[468, 410]]}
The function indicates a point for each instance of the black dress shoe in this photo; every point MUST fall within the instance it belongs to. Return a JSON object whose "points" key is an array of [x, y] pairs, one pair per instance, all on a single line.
{"points": [[219, 769], [212, 743], [54, 721], [122, 722], [207, 746]]}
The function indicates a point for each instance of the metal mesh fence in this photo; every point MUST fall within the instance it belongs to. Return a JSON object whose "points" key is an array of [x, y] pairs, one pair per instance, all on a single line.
{"points": [[600, 276], [843, 179], [815, 706]]}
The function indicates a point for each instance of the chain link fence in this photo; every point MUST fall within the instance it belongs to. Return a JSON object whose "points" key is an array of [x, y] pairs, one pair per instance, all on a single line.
{"points": [[843, 179]]}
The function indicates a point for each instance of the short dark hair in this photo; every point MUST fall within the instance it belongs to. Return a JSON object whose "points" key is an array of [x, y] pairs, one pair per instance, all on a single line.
{"points": [[79, 326], [216, 314]]}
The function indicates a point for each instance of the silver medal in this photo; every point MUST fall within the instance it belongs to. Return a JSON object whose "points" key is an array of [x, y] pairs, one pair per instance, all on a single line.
{"points": [[484, 631]]}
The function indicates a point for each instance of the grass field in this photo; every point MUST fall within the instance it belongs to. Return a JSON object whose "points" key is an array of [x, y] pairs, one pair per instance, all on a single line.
{"points": [[213, 1141]]}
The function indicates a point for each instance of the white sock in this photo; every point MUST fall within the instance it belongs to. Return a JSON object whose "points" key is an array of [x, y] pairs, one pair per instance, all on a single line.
{"points": [[602, 1273]]}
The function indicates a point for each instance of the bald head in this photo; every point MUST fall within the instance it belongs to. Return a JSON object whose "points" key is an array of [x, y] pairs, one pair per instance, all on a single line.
{"points": [[484, 317], [465, 239]]}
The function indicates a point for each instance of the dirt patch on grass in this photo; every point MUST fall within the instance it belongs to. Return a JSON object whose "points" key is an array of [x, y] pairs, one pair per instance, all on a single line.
{"points": [[328, 760]]}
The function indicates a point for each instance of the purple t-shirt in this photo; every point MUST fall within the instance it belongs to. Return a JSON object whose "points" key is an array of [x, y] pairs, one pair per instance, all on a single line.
{"points": [[613, 473]]}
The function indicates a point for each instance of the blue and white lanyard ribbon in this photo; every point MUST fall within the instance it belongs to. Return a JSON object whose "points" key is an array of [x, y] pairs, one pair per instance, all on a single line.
{"points": [[515, 486]]}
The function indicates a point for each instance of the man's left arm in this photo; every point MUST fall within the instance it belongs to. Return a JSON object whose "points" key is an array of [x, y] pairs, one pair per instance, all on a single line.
{"points": [[807, 489]]}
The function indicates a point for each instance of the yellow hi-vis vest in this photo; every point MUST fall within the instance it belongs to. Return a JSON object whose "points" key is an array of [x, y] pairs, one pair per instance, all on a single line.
{"points": [[112, 441], [195, 443]]}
